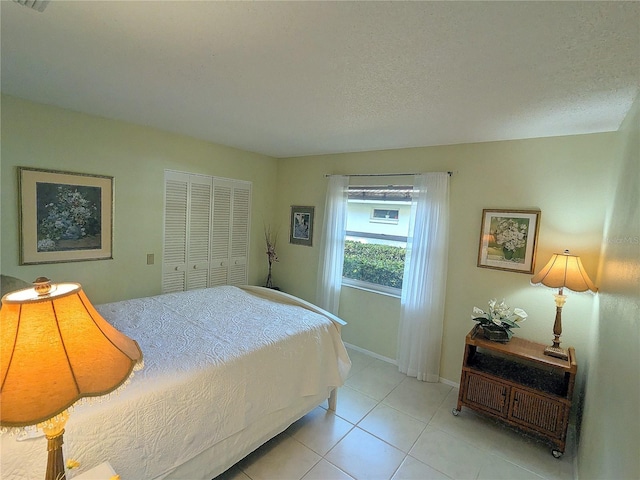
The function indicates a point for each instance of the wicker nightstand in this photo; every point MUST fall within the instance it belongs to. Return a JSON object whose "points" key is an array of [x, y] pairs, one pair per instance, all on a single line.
{"points": [[520, 385]]}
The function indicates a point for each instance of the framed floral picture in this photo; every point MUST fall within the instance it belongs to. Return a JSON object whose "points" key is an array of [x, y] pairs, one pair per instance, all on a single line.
{"points": [[508, 240], [301, 229], [64, 217]]}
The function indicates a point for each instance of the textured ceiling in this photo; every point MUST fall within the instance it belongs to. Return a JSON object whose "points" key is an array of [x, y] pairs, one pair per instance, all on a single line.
{"points": [[301, 78]]}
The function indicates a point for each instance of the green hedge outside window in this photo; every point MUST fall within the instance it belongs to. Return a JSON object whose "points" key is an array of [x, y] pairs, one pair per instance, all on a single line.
{"points": [[373, 263]]}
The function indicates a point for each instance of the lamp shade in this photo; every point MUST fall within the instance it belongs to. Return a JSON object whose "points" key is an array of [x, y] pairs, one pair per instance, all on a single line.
{"points": [[564, 271], [55, 349]]}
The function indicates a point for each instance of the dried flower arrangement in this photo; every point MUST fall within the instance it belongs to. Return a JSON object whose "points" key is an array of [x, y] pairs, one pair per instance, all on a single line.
{"points": [[270, 239]]}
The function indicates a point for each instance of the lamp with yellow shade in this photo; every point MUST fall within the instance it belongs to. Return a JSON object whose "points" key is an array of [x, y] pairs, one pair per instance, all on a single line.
{"points": [[56, 349], [562, 271]]}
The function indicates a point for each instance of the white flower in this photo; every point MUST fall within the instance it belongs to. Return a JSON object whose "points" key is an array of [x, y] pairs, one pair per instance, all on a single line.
{"points": [[510, 234], [521, 314], [499, 314]]}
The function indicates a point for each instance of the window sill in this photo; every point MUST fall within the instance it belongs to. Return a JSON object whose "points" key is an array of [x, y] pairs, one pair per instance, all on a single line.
{"points": [[364, 287]]}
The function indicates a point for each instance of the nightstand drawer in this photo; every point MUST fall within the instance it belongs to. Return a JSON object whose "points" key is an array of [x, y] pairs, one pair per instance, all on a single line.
{"points": [[486, 393], [538, 412]]}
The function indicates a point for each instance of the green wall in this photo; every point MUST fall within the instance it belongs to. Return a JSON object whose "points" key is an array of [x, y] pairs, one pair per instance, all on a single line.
{"points": [[573, 180], [565, 177], [40, 136], [610, 434]]}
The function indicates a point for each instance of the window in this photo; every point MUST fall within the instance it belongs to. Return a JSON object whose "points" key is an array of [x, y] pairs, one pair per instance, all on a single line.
{"points": [[382, 215], [376, 241]]}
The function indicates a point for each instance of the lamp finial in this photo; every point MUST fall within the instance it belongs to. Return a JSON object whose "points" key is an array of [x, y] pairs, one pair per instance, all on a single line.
{"points": [[42, 285]]}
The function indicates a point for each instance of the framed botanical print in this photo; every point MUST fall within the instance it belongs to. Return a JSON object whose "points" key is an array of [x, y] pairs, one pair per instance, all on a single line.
{"points": [[64, 216], [508, 240], [301, 229]]}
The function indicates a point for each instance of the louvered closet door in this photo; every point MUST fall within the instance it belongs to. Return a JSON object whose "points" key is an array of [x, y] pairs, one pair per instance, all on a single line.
{"points": [[206, 232], [174, 258], [199, 231], [240, 224], [220, 233]]}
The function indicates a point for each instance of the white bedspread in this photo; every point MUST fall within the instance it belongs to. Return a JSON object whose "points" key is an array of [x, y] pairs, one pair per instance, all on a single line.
{"points": [[215, 361]]}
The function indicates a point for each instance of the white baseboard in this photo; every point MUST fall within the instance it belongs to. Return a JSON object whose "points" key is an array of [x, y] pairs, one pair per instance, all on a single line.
{"points": [[449, 382], [394, 362], [371, 354]]}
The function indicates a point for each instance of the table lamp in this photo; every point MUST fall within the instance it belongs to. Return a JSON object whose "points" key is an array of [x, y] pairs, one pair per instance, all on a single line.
{"points": [[562, 271], [56, 349]]}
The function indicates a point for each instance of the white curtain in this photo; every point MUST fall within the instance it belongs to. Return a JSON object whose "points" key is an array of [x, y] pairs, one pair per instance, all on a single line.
{"points": [[332, 244], [424, 281]]}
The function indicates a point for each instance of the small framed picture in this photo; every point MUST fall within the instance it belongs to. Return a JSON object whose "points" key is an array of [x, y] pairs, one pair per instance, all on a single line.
{"points": [[64, 217], [508, 240], [301, 229]]}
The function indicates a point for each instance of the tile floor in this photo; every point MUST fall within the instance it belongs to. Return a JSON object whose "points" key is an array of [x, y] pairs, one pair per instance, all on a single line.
{"points": [[389, 426]]}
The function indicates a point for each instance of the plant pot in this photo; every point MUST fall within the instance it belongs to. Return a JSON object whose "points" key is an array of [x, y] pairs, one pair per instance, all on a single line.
{"points": [[495, 333]]}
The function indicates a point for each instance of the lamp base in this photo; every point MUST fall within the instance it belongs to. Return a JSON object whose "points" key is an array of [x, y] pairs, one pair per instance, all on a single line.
{"points": [[557, 352], [55, 459], [54, 431]]}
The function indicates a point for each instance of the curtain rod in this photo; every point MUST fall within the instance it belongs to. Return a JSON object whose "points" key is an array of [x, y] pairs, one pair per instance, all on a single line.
{"points": [[379, 174]]}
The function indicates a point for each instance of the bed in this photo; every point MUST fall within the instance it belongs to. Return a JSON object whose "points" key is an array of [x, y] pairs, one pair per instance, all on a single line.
{"points": [[226, 369]]}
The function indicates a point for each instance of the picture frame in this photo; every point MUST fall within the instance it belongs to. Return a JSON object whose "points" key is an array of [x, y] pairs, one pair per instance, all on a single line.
{"points": [[64, 216], [301, 225], [509, 239]]}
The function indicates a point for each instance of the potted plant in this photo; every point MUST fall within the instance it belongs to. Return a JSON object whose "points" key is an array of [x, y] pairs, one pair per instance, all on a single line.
{"points": [[499, 320]]}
